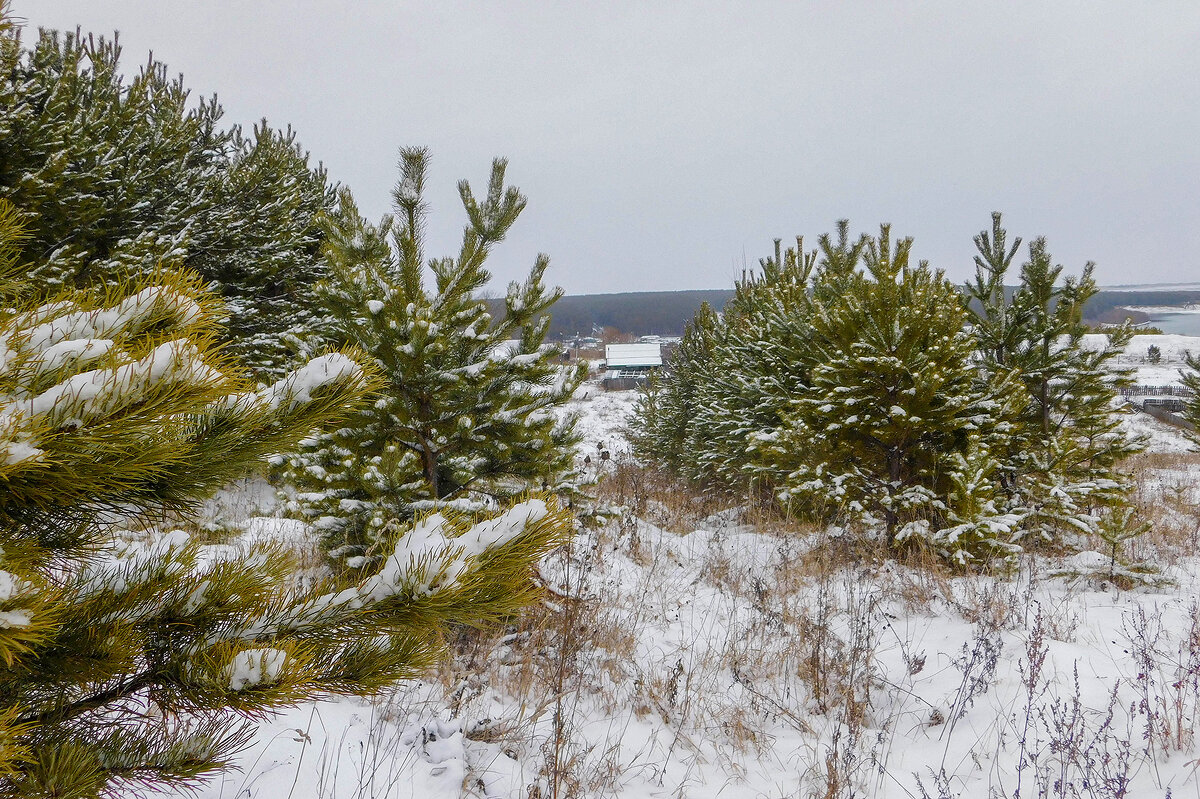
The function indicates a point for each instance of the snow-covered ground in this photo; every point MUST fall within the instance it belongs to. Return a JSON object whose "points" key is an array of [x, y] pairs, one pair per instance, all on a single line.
{"points": [[1153, 309], [1160, 437], [1172, 347], [1173, 352], [721, 656], [602, 419]]}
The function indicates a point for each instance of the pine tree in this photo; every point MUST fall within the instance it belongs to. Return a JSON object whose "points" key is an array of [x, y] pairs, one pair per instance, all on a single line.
{"points": [[260, 242], [894, 424], [1062, 461], [670, 401], [735, 374], [466, 415], [779, 351], [760, 364], [120, 174], [1191, 381], [131, 663]]}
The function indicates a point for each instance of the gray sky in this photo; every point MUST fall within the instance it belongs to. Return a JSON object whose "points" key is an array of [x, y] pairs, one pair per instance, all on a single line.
{"points": [[662, 144]]}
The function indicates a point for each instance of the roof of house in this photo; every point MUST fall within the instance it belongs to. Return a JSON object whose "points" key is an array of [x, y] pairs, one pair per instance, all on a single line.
{"points": [[618, 355]]}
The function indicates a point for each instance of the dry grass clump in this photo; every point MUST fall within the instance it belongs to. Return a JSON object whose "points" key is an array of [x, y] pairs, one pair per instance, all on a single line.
{"points": [[1166, 495], [656, 496], [562, 659]]}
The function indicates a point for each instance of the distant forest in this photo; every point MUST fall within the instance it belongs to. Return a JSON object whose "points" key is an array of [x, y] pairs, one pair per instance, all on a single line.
{"points": [[664, 313]]}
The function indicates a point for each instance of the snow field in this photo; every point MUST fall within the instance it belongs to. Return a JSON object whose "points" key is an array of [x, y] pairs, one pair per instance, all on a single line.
{"points": [[719, 656], [602, 418], [716, 663], [1160, 437], [1173, 349]]}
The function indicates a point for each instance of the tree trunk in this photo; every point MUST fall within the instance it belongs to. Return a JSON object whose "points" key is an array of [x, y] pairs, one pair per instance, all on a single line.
{"points": [[429, 463], [895, 459]]}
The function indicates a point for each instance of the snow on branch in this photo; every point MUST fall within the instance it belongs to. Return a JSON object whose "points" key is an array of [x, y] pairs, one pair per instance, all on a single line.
{"points": [[297, 388], [108, 323], [91, 395], [428, 559]]}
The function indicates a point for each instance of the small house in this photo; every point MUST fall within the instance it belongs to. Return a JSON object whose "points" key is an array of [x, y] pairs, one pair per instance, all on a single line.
{"points": [[628, 365]]}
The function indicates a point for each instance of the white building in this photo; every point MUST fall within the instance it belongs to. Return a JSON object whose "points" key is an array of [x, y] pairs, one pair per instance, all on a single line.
{"points": [[626, 365]]}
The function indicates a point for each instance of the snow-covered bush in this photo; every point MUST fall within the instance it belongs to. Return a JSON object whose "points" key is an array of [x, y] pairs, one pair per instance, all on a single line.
{"points": [[134, 660], [464, 415]]}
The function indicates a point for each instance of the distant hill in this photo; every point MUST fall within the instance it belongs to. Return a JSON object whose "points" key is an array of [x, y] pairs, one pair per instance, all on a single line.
{"points": [[665, 313], [1155, 287], [1109, 299], [662, 313]]}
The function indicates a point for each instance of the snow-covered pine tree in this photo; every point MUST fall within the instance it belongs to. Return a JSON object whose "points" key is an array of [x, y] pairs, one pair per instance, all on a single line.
{"points": [[721, 405], [894, 419], [667, 405], [773, 345], [467, 411], [759, 365], [725, 393], [131, 661], [259, 241], [1061, 465], [120, 173]]}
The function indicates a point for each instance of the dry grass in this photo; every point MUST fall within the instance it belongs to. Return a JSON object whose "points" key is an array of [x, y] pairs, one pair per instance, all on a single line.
{"points": [[801, 651], [656, 497], [1167, 495]]}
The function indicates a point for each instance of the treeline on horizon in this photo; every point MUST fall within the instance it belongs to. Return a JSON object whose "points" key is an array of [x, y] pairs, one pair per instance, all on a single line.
{"points": [[664, 313]]}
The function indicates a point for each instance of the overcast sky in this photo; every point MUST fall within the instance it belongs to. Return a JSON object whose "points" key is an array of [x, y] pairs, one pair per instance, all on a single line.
{"points": [[662, 145]]}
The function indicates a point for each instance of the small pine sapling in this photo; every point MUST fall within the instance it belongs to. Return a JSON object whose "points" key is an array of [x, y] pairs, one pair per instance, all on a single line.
{"points": [[895, 406], [1061, 466], [1118, 528], [670, 401], [467, 411]]}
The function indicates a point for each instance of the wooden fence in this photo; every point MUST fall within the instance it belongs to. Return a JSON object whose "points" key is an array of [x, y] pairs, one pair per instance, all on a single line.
{"points": [[1156, 391]]}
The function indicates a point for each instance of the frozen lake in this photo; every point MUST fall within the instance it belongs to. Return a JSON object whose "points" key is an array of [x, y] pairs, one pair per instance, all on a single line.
{"points": [[1184, 324]]}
